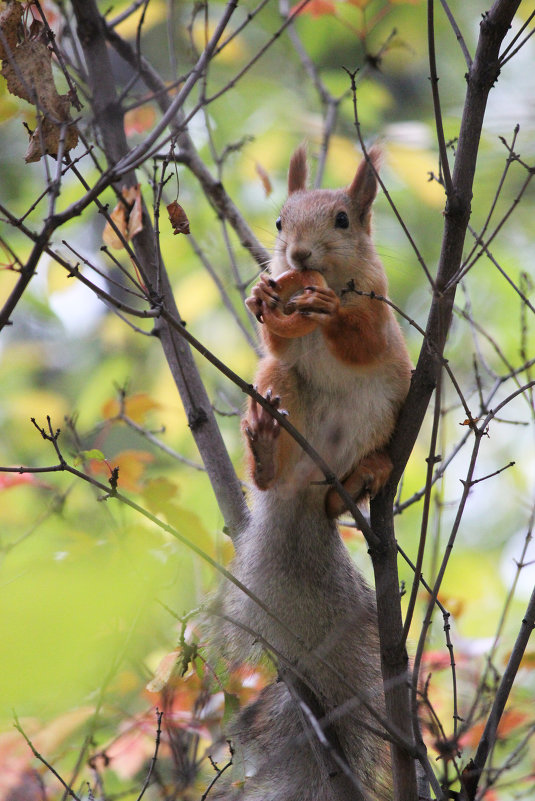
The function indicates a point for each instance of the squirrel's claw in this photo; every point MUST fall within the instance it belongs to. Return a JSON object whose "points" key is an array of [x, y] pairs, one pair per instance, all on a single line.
{"points": [[262, 293], [317, 303]]}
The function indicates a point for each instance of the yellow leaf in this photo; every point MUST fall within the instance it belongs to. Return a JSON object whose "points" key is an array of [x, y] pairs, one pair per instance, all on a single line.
{"points": [[155, 13], [158, 492], [413, 166], [235, 51], [197, 295]]}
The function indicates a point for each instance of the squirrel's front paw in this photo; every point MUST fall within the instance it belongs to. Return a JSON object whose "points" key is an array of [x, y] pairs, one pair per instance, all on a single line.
{"points": [[262, 431], [263, 295], [317, 303]]}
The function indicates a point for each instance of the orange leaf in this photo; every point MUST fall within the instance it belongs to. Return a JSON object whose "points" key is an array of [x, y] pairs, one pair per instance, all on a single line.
{"points": [[527, 662], [135, 406], [511, 720], [131, 464], [178, 218], [139, 120], [316, 8]]}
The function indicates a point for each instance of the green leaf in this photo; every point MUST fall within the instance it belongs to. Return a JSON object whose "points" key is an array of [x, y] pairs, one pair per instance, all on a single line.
{"points": [[92, 453]]}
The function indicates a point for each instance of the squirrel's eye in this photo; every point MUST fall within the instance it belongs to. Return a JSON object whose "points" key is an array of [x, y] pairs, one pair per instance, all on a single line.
{"points": [[341, 220], [278, 223]]}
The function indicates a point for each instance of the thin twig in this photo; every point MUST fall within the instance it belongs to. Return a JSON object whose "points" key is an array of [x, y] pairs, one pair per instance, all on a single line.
{"points": [[445, 167], [70, 792]]}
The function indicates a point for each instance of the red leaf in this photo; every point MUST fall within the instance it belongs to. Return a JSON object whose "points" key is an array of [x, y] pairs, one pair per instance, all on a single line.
{"points": [[8, 480]]}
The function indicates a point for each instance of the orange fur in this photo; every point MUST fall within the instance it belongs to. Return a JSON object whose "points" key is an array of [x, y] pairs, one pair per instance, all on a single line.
{"points": [[356, 336]]}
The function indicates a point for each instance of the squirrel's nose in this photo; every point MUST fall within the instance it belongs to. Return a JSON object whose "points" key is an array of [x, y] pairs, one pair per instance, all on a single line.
{"points": [[298, 257]]}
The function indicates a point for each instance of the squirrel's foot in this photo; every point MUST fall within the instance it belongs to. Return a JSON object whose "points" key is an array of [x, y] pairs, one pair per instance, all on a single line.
{"points": [[262, 431], [317, 303], [263, 294], [368, 477]]}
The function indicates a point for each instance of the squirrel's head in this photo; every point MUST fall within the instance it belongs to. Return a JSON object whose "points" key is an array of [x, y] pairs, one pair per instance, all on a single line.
{"points": [[329, 230]]}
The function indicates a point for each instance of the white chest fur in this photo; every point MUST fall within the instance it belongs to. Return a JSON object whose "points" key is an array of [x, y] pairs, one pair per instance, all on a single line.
{"points": [[350, 407]]}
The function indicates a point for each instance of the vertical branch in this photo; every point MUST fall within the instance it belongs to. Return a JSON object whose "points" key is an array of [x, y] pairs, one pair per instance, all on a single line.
{"points": [[436, 98], [394, 657], [482, 75], [481, 78], [109, 118]]}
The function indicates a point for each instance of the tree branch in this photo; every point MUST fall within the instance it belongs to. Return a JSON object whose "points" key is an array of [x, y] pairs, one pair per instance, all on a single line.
{"points": [[200, 415]]}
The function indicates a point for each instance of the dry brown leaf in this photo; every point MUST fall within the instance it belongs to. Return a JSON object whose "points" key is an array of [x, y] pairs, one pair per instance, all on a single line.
{"points": [[128, 222], [10, 17], [264, 177], [178, 218], [29, 76], [109, 236], [48, 133], [135, 222]]}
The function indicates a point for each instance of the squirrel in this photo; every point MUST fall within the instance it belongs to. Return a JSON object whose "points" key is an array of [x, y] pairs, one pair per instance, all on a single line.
{"points": [[336, 361]]}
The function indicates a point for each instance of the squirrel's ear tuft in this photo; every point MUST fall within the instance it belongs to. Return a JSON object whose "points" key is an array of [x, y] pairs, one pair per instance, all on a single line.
{"points": [[364, 187], [298, 171]]}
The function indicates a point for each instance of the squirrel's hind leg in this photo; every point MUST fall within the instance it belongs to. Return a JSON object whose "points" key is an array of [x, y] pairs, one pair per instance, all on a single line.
{"points": [[271, 452], [262, 431], [368, 477]]}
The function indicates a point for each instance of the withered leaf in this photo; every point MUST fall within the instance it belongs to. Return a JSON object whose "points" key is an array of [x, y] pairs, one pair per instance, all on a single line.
{"points": [[10, 17], [264, 177], [178, 218], [128, 222], [32, 78], [135, 223], [48, 133], [29, 76]]}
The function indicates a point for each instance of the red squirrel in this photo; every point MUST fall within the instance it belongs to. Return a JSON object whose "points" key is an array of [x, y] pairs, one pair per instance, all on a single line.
{"points": [[342, 382], [336, 361]]}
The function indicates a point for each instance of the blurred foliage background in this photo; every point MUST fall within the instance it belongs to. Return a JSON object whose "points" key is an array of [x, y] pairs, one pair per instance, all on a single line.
{"points": [[88, 588]]}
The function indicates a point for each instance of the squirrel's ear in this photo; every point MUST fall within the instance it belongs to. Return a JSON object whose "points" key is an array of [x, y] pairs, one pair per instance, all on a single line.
{"points": [[364, 187], [298, 171]]}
